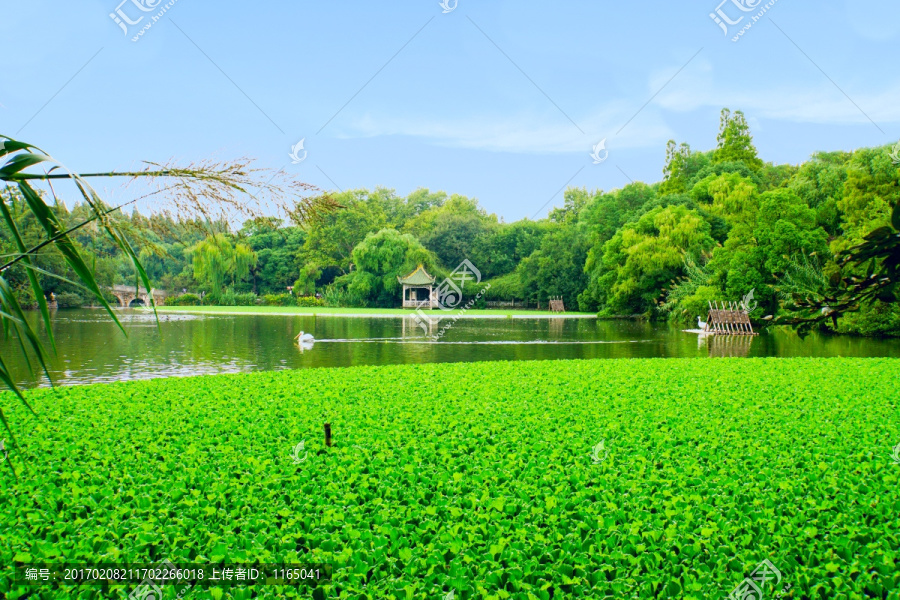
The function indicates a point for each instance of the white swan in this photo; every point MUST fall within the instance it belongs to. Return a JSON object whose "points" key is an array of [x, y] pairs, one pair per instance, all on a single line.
{"points": [[701, 324], [305, 341]]}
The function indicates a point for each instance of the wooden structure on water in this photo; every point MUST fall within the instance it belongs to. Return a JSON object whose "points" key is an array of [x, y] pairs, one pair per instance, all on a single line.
{"points": [[728, 319], [556, 304]]}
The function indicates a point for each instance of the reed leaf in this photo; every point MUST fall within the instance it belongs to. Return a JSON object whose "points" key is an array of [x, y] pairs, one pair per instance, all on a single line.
{"points": [[207, 192]]}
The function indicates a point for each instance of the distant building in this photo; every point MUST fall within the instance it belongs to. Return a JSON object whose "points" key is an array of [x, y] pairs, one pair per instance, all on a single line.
{"points": [[418, 289]]}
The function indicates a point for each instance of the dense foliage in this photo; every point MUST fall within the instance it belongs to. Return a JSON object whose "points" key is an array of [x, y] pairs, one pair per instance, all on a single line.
{"points": [[722, 223], [481, 478]]}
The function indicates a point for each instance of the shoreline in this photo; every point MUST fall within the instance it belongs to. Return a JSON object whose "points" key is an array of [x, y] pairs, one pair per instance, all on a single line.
{"points": [[254, 311]]}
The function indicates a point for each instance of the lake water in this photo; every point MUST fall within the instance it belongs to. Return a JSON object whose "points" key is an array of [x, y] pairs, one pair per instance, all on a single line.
{"points": [[92, 349]]}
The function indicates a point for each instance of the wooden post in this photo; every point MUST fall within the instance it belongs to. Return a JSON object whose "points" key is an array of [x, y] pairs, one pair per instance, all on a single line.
{"points": [[328, 434], [730, 319], [726, 318], [732, 327], [716, 316], [737, 319]]}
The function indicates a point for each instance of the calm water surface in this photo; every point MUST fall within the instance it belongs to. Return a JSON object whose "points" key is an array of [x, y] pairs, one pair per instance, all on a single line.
{"points": [[92, 349]]}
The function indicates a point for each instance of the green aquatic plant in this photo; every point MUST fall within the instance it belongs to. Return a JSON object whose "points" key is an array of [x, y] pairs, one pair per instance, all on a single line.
{"points": [[443, 477]]}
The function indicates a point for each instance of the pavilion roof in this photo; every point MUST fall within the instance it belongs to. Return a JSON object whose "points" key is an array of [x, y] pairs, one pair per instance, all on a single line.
{"points": [[417, 277]]}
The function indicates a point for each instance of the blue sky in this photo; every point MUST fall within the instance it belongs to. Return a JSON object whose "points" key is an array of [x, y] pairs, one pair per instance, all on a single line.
{"points": [[500, 101]]}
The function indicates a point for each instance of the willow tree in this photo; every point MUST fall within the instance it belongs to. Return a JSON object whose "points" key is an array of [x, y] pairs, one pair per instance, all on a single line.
{"points": [[215, 259], [205, 192]]}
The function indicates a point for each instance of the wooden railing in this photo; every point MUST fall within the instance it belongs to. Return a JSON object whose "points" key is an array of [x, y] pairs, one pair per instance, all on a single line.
{"points": [[418, 304]]}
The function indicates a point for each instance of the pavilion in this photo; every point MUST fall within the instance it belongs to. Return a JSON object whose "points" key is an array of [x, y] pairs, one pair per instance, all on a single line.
{"points": [[418, 289]]}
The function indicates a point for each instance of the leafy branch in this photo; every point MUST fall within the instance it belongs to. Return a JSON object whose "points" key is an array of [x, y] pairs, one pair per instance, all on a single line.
{"points": [[879, 257]]}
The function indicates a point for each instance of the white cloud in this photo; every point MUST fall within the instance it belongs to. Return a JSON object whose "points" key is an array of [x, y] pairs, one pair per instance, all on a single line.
{"points": [[525, 133], [822, 103], [694, 88]]}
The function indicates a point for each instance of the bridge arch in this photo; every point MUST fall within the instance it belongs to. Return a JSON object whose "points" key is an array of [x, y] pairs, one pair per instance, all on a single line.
{"points": [[128, 295]]}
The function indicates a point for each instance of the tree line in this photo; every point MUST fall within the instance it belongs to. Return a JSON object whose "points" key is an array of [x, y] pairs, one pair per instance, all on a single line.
{"points": [[720, 224]]}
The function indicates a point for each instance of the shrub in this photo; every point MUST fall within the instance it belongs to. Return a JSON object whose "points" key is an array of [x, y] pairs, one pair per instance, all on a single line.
{"points": [[310, 301], [69, 300], [877, 319], [504, 288], [183, 300], [248, 299], [337, 297], [230, 298], [278, 300]]}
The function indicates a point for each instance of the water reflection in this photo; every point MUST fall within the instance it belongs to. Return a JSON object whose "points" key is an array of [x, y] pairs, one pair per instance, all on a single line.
{"points": [[92, 349], [725, 346]]}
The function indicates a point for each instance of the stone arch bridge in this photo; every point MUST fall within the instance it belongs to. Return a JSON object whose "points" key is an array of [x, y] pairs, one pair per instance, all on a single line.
{"points": [[128, 295]]}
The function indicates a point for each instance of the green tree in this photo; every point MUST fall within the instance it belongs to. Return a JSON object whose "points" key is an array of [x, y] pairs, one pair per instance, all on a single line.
{"points": [[871, 190], [645, 255], [380, 259], [863, 282], [458, 229], [277, 248], [400, 211], [820, 182], [680, 168], [600, 220], [215, 260], [305, 285], [556, 268], [331, 242], [735, 142]]}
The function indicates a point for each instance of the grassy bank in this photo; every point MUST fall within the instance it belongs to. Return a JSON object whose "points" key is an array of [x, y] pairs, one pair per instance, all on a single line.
{"points": [[362, 312], [477, 477]]}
